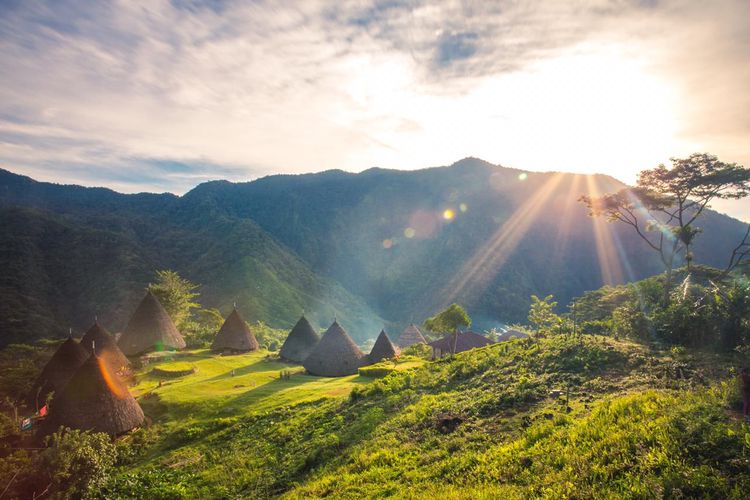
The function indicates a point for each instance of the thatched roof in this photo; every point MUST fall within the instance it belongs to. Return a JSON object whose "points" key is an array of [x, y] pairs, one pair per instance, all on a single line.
{"points": [[459, 342], [106, 346], [410, 336], [512, 334], [383, 348], [335, 355], [150, 329], [96, 400], [57, 372], [235, 335], [300, 342]]}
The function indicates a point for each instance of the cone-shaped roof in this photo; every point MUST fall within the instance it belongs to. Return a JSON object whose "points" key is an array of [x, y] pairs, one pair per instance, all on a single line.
{"points": [[106, 346], [96, 400], [335, 355], [300, 342], [150, 328], [383, 348], [410, 336], [234, 335], [58, 371]]}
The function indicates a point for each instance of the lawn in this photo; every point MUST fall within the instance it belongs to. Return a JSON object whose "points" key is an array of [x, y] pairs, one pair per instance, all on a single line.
{"points": [[234, 385]]}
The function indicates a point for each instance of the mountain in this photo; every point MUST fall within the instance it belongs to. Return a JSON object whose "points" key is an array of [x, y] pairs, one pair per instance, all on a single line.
{"points": [[66, 257], [371, 248]]}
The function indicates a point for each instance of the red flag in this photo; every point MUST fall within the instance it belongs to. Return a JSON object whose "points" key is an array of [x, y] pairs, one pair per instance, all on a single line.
{"points": [[43, 411]]}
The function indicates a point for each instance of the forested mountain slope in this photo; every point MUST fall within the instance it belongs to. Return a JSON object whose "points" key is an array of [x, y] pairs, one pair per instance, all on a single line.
{"points": [[370, 247]]}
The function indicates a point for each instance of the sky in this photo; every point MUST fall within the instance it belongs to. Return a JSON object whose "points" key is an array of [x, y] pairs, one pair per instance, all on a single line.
{"points": [[160, 96]]}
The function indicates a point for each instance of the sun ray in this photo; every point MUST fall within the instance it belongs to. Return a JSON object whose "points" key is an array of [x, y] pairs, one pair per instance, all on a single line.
{"points": [[608, 251], [490, 258]]}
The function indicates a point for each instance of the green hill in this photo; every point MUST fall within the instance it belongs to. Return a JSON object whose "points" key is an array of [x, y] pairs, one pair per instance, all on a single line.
{"points": [[484, 424]]}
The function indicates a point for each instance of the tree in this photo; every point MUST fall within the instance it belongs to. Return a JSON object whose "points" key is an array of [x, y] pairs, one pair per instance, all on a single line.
{"points": [[542, 312], [448, 320], [663, 207], [176, 294]]}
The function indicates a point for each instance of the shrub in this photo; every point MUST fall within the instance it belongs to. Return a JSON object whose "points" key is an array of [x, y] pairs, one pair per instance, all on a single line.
{"points": [[77, 462]]}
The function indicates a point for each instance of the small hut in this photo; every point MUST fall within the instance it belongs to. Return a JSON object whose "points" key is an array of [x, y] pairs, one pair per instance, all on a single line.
{"points": [[301, 340], [57, 372], [512, 334], [96, 400], [149, 329], [234, 335], [336, 355], [106, 346], [410, 336], [458, 342], [383, 349]]}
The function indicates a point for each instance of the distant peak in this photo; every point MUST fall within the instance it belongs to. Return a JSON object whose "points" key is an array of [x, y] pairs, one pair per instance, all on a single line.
{"points": [[471, 161]]}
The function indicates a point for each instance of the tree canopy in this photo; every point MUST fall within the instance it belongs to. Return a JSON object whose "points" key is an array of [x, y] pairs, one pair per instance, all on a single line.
{"points": [[176, 294], [666, 203], [448, 320]]}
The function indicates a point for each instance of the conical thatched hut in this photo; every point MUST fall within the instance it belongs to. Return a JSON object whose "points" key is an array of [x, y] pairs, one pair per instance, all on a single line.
{"points": [[150, 328], [300, 342], [96, 400], [106, 347], [383, 349], [234, 335], [57, 372], [335, 355], [410, 336]]}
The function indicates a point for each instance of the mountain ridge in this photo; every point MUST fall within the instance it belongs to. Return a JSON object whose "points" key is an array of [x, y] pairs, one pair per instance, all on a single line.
{"points": [[378, 241]]}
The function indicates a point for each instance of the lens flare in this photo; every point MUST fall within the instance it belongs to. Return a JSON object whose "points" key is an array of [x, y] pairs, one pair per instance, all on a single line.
{"points": [[113, 383], [463, 207], [387, 243], [409, 232], [523, 176], [449, 214]]}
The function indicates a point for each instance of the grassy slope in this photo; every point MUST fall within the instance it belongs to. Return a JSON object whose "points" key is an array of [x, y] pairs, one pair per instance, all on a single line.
{"points": [[640, 424]]}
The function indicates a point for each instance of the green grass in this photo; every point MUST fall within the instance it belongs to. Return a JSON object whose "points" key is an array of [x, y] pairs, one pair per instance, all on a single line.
{"points": [[626, 426]]}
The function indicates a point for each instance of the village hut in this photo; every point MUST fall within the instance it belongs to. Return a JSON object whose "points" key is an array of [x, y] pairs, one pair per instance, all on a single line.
{"points": [[512, 334], [301, 340], [457, 342], [336, 355], [383, 349], [106, 345], [150, 328], [57, 372], [234, 335], [95, 400], [410, 336]]}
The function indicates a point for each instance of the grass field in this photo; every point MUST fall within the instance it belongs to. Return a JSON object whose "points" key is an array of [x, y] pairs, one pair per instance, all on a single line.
{"points": [[235, 385], [547, 417]]}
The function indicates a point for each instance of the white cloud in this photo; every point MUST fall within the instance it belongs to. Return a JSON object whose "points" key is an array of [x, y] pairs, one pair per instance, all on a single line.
{"points": [[265, 87]]}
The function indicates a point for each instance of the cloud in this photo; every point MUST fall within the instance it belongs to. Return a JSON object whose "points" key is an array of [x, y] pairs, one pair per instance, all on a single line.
{"points": [[162, 94]]}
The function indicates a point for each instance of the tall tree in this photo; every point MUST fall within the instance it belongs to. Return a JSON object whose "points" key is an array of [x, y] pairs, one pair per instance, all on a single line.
{"points": [[666, 202], [448, 320], [176, 294]]}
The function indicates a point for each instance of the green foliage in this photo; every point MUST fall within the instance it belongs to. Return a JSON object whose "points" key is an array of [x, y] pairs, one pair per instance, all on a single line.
{"points": [[541, 313], [269, 338], [448, 320], [78, 463], [20, 365], [176, 294]]}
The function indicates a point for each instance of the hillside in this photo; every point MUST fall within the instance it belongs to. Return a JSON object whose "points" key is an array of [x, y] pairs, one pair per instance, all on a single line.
{"points": [[483, 424], [60, 271], [370, 248]]}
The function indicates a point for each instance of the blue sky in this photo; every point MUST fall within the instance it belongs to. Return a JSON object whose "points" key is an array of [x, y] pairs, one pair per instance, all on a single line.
{"points": [[160, 96]]}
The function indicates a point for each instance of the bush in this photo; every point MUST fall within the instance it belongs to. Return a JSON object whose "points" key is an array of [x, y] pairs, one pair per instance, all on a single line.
{"points": [[78, 463]]}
